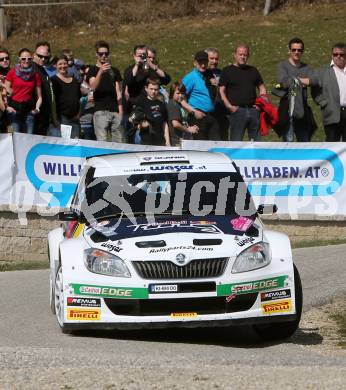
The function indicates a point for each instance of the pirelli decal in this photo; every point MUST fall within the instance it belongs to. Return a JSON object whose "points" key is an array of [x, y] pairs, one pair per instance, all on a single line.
{"points": [[84, 314], [277, 307], [252, 287]]}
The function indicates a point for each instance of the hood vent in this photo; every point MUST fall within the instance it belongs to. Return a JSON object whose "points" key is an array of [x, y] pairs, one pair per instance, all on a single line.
{"points": [[207, 241], [98, 237], [252, 231], [151, 244]]}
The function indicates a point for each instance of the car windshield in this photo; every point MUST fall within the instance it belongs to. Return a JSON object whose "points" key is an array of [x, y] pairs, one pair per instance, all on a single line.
{"points": [[195, 193]]}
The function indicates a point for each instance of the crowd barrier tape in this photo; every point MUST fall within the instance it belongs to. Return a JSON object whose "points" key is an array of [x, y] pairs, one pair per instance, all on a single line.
{"points": [[301, 178]]}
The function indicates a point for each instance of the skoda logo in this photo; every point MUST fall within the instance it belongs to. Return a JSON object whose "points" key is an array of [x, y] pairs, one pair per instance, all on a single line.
{"points": [[180, 258]]}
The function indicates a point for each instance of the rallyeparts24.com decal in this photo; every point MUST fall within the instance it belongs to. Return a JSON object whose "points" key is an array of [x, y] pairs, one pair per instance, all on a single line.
{"points": [[110, 291], [251, 287]]}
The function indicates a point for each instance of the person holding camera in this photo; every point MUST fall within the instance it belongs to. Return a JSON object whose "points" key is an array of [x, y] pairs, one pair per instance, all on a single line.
{"points": [[136, 75], [104, 81]]}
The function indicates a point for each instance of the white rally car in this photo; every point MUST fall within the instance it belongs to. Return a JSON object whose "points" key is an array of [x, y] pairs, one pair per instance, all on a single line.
{"points": [[170, 239]]}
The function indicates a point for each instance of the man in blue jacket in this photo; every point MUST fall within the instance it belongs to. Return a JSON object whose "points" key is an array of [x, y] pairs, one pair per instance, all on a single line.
{"points": [[200, 104]]}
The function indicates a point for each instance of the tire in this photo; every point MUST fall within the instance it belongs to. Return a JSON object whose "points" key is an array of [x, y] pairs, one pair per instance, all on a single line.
{"points": [[59, 301], [283, 330], [51, 295]]}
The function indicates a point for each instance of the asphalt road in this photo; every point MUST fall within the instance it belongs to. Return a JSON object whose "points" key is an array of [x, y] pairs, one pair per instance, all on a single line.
{"points": [[35, 355]]}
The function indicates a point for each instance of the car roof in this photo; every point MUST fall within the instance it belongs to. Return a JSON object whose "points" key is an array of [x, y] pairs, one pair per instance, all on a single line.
{"points": [[160, 161], [157, 157]]}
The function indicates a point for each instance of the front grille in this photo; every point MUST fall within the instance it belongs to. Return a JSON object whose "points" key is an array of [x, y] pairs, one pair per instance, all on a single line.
{"points": [[156, 307], [199, 268]]}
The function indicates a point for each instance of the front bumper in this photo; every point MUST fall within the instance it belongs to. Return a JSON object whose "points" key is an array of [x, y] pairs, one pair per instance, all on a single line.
{"points": [[179, 324]]}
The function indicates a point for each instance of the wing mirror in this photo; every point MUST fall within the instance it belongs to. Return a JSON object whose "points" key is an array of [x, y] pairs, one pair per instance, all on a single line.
{"points": [[267, 209], [68, 216]]}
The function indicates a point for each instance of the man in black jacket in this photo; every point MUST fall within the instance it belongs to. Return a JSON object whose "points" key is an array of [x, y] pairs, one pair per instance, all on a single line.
{"points": [[46, 119], [135, 76]]}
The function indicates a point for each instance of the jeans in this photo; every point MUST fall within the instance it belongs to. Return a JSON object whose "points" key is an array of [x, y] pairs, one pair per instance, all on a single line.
{"points": [[244, 118], [208, 128], [22, 123], [300, 129], [105, 121]]}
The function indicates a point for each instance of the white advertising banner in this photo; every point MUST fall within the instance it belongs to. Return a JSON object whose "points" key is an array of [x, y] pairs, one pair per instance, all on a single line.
{"points": [[47, 168], [6, 168], [300, 178]]}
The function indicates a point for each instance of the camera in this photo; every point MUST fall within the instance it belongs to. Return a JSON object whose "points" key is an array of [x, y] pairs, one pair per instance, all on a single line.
{"points": [[137, 116], [144, 58]]}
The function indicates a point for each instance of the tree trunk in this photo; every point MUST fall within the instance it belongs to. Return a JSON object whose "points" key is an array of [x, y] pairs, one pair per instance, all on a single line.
{"points": [[267, 7]]}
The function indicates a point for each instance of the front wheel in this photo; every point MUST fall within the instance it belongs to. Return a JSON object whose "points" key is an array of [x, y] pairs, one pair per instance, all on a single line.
{"points": [[283, 330], [51, 295], [59, 301]]}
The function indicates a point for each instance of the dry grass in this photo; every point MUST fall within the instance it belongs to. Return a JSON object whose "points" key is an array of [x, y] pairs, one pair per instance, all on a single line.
{"points": [[107, 14]]}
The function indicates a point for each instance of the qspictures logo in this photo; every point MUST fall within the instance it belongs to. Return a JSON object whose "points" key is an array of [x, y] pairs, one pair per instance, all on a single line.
{"points": [[288, 172], [55, 169]]}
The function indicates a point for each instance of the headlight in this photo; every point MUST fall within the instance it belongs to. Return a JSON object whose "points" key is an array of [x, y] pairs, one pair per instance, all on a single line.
{"points": [[104, 263], [254, 257]]}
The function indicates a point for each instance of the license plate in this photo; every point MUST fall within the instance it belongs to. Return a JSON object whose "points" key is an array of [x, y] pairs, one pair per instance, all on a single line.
{"points": [[163, 288], [184, 315]]}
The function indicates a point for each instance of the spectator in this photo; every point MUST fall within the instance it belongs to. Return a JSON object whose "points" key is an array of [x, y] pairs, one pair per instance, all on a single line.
{"points": [[50, 66], [330, 95], [67, 95], [155, 130], [294, 77], [104, 80], [73, 66], [87, 108], [135, 76], [3, 103], [213, 75], [238, 83], [177, 116], [4, 63], [23, 84], [4, 68], [47, 116], [200, 104]]}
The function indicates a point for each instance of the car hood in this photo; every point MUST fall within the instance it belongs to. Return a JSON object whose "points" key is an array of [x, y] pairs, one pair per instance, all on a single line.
{"points": [[211, 236]]}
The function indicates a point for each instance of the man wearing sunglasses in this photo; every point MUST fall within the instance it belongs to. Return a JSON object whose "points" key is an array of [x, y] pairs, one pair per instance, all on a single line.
{"points": [[294, 76], [4, 68], [330, 95], [47, 117], [4, 63], [105, 80]]}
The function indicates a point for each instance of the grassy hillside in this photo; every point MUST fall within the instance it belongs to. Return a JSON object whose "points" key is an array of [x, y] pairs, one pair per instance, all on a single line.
{"points": [[178, 39]]}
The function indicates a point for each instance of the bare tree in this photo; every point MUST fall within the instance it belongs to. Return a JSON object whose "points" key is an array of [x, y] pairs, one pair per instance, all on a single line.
{"points": [[267, 7]]}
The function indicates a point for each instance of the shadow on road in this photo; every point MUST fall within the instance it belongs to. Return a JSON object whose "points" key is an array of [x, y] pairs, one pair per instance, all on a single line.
{"points": [[238, 337]]}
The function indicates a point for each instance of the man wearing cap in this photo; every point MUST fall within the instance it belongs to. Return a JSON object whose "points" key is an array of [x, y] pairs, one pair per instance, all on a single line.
{"points": [[238, 89], [200, 104]]}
